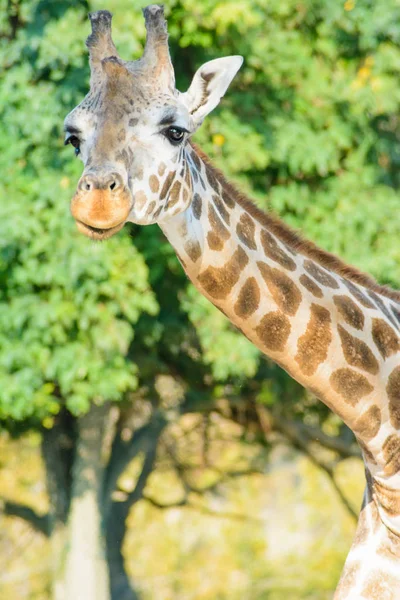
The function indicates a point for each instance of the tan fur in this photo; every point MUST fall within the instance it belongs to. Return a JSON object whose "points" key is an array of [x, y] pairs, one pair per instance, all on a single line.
{"points": [[291, 237]]}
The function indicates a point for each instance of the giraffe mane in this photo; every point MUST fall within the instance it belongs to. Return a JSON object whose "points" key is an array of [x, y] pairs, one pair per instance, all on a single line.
{"points": [[295, 240]]}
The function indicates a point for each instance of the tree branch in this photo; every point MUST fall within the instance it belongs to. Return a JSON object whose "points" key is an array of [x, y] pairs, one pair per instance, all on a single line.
{"points": [[334, 443], [204, 509], [40, 523], [119, 510], [117, 513], [300, 440], [165, 505], [58, 449], [123, 452], [148, 464]]}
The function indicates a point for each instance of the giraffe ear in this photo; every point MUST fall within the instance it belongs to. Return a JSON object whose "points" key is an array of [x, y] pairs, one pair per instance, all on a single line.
{"points": [[209, 85]]}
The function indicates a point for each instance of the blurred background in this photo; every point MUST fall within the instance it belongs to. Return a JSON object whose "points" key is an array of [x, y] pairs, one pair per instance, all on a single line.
{"points": [[144, 442]]}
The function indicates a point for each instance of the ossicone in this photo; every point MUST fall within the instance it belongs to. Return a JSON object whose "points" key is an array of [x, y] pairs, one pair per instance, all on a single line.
{"points": [[99, 42], [156, 55]]}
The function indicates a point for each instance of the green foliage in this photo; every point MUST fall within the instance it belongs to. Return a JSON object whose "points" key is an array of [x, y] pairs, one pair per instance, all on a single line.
{"points": [[314, 113], [308, 128], [239, 543], [67, 306], [227, 353]]}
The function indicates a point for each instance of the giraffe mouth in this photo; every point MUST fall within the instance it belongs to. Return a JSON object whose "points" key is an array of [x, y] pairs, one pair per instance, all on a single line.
{"points": [[96, 233]]}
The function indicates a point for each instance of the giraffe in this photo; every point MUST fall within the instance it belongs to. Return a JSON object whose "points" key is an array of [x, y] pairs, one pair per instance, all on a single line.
{"points": [[333, 329]]}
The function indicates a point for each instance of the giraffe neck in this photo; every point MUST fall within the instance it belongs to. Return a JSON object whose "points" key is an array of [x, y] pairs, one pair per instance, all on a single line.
{"points": [[304, 309], [371, 570]]}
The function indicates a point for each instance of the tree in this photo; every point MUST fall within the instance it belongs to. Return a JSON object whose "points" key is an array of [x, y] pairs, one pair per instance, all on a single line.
{"points": [[84, 329], [197, 443]]}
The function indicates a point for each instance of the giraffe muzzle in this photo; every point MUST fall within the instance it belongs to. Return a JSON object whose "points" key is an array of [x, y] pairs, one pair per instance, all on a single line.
{"points": [[101, 205]]}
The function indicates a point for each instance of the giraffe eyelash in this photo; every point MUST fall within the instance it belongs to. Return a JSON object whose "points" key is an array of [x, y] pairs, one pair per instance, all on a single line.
{"points": [[75, 142], [174, 134]]}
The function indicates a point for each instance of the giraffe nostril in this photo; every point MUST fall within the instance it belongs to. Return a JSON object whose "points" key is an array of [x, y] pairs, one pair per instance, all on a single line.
{"points": [[114, 182], [86, 184], [91, 182]]}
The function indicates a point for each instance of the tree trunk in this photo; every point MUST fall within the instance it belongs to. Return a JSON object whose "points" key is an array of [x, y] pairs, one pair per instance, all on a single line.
{"points": [[121, 586], [86, 572], [58, 543], [117, 512], [85, 565], [57, 454]]}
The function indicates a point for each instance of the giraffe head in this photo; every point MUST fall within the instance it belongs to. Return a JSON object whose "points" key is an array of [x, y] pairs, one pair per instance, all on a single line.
{"points": [[131, 129]]}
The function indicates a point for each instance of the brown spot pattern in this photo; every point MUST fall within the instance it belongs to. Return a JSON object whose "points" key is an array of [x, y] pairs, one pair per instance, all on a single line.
{"points": [[389, 549], [140, 200], [283, 290], [358, 294], [350, 312], [220, 206], [313, 345], [274, 252], [219, 281], [382, 306], [391, 453], [363, 522], [219, 233], [196, 160], [214, 242], [248, 300], [174, 194], [388, 498], [245, 230], [167, 184], [396, 315], [357, 353], [154, 183], [212, 180], [368, 424], [161, 169], [158, 212], [385, 338], [381, 586], [322, 276], [349, 384], [393, 392], [273, 331], [227, 198], [188, 178], [367, 453], [197, 205], [347, 581], [311, 286], [193, 250], [150, 208]]}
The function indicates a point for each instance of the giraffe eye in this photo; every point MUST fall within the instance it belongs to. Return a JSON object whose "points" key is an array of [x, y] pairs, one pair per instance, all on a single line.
{"points": [[174, 134], [75, 142]]}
